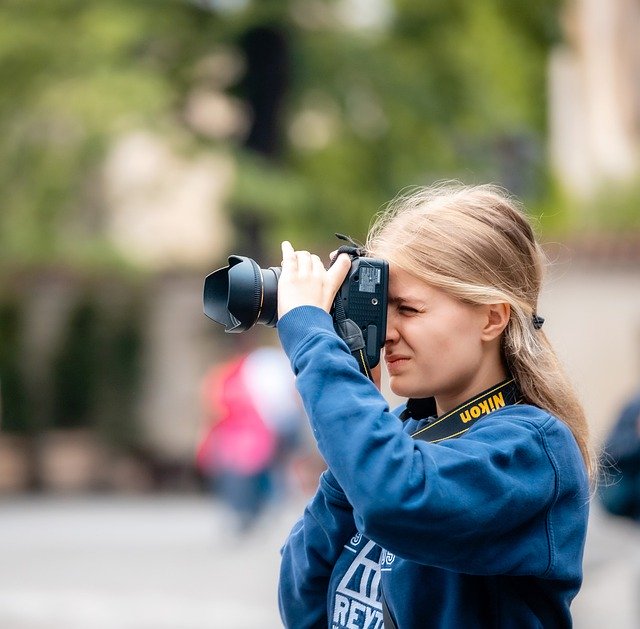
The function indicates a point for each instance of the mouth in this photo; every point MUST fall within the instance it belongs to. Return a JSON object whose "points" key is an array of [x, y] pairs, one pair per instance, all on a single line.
{"points": [[394, 363]]}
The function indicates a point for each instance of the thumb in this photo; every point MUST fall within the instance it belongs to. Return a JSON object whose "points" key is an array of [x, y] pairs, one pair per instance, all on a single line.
{"points": [[336, 273]]}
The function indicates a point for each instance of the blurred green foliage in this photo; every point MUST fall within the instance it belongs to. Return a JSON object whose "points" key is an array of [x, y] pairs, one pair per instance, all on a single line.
{"points": [[75, 74], [451, 88], [441, 89], [89, 375], [16, 415], [76, 369], [615, 209], [446, 88], [96, 370]]}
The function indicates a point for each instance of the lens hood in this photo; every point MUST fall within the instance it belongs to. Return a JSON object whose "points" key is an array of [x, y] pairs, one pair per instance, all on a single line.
{"points": [[233, 294]]}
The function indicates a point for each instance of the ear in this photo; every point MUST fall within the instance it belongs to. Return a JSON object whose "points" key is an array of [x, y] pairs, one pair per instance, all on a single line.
{"points": [[497, 318]]}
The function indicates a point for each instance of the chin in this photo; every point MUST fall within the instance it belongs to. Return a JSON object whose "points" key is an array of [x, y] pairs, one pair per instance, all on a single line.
{"points": [[405, 389]]}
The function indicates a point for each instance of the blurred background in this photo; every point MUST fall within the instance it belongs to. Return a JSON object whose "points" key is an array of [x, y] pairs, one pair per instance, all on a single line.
{"points": [[142, 142]]}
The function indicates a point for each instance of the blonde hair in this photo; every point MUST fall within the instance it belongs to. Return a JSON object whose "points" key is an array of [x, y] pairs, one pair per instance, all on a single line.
{"points": [[476, 243]]}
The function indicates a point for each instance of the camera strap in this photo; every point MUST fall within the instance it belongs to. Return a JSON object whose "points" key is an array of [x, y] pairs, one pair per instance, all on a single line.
{"points": [[352, 335], [457, 421], [454, 424]]}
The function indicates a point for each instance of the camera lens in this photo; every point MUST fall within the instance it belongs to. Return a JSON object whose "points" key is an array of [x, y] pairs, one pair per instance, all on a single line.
{"points": [[242, 294]]}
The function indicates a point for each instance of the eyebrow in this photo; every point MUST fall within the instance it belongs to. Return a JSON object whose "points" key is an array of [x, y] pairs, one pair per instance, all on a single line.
{"points": [[396, 300]]}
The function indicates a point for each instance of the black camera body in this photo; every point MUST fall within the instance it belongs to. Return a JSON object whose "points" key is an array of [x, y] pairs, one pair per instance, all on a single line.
{"points": [[242, 294], [363, 299]]}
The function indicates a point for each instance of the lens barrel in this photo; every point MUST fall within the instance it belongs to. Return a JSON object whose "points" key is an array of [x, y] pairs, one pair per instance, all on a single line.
{"points": [[242, 294]]}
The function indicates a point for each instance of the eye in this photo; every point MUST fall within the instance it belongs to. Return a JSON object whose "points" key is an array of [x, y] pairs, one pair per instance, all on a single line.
{"points": [[408, 310]]}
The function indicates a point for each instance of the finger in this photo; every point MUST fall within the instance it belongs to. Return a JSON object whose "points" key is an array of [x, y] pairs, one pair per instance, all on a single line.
{"points": [[333, 255], [337, 272], [318, 267], [287, 247], [288, 255], [304, 262]]}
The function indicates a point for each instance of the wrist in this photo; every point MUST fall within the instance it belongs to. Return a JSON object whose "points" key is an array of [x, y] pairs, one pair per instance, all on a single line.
{"points": [[301, 322]]}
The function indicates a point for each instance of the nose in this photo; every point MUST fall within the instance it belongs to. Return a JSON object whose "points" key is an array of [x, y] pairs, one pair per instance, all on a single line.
{"points": [[392, 334]]}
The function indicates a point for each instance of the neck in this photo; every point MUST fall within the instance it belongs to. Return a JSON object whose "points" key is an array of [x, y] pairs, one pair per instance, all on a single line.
{"points": [[482, 380]]}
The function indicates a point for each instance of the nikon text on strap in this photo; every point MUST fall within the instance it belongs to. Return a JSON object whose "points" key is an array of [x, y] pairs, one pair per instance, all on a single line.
{"points": [[460, 419], [452, 425]]}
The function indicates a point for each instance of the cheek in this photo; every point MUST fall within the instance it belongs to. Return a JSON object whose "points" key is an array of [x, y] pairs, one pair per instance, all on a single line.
{"points": [[465, 340], [456, 337]]}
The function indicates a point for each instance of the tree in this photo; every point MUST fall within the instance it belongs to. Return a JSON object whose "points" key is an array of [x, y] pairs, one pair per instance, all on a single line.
{"points": [[443, 88]]}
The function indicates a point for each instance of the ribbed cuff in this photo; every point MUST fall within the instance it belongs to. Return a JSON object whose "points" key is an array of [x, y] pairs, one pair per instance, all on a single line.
{"points": [[300, 323]]}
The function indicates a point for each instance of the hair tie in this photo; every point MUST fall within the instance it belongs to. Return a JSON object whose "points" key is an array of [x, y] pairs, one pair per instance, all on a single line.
{"points": [[537, 321]]}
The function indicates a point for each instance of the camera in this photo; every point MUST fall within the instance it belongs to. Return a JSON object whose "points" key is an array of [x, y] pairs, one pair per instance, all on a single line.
{"points": [[242, 294]]}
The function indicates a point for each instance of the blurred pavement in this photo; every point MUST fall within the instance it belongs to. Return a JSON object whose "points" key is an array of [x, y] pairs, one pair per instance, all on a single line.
{"points": [[136, 563], [172, 563], [610, 595]]}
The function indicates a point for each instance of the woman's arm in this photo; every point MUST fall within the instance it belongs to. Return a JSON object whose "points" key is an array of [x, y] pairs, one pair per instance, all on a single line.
{"points": [[309, 554], [485, 503]]}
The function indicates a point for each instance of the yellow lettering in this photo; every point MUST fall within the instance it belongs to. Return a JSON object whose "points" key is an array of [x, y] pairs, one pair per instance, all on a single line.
{"points": [[483, 407]]}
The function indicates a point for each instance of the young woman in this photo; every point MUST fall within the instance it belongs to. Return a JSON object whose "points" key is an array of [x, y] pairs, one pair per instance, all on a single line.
{"points": [[482, 522]]}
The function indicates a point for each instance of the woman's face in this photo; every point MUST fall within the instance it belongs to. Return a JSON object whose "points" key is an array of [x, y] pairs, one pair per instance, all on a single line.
{"points": [[434, 344]]}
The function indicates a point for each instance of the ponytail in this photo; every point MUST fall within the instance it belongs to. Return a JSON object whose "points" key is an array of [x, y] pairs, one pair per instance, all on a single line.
{"points": [[543, 382]]}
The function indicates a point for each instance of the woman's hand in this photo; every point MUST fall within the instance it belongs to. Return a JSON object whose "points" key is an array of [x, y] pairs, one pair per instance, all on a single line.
{"points": [[305, 282]]}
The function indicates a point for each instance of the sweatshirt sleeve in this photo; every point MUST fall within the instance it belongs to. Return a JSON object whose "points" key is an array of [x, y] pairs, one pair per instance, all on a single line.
{"points": [[309, 554], [482, 504]]}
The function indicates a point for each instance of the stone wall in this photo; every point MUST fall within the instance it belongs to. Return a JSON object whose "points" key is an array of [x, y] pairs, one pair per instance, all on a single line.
{"points": [[592, 312]]}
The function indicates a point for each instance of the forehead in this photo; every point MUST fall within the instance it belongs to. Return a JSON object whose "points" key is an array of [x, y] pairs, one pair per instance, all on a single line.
{"points": [[404, 286], [413, 291]]}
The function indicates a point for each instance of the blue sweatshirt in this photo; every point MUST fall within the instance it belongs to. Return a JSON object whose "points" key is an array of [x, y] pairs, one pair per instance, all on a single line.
{"points": [[486, 530]]}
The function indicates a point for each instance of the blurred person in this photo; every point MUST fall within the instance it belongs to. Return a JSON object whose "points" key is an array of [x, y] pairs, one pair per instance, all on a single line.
{"points": [[483, 524], [237, 448], [271, 388], [253, 424], [619, 492]]}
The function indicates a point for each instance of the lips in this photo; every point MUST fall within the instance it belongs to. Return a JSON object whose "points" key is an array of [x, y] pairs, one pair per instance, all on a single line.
{"points": [[395, 362]]}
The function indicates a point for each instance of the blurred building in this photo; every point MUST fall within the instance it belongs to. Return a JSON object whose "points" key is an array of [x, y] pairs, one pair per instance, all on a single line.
{"points": [[127, 356], [166, 213], [594, 96], [594, 126], [592, 304]]}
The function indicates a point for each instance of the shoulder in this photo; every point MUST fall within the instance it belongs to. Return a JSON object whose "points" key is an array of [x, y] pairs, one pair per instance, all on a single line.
{"points": [[523, 426], [520, 420], [523, 417]]}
